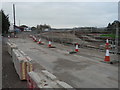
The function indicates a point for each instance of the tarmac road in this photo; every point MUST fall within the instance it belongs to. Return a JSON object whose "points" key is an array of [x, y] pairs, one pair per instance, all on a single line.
{"points": [[10, 78]]}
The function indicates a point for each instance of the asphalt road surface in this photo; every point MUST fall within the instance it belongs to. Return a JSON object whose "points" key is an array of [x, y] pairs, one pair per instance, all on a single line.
{"points": [[10, 78]]}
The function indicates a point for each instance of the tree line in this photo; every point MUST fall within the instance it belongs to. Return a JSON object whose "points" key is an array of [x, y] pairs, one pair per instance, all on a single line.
{"points": [[112, 27], [4, 23]]}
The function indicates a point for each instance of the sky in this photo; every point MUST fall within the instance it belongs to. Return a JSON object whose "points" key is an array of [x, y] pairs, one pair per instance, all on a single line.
{"points": [[63, 14]]}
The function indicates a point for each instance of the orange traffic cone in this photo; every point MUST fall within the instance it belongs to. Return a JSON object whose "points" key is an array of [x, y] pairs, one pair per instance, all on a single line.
{"points": [[76, 48], [49, 44], [107, 42], [39, 42], [107, 55]]}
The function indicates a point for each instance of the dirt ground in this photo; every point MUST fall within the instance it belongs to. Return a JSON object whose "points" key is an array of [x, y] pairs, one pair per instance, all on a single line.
{"points": [[10, 78]]}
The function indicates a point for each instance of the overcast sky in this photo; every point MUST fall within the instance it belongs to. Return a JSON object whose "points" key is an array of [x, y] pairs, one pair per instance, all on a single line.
{"points": [[63, 14]]}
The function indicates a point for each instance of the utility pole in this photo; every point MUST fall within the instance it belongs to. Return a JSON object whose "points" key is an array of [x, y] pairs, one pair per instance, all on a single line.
{"points": [[14, 17]]}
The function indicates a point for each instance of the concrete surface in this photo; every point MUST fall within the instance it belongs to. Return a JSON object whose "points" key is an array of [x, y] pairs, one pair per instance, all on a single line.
{"points": [[80, 71]]}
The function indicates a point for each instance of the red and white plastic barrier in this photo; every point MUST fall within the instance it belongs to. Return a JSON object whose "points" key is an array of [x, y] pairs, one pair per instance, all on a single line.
{"points": [[107, 55], [76, 47]]}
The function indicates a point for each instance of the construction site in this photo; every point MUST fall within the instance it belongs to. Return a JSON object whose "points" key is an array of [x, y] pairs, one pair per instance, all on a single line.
{"points": [[61, 59], [45, 57]]}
